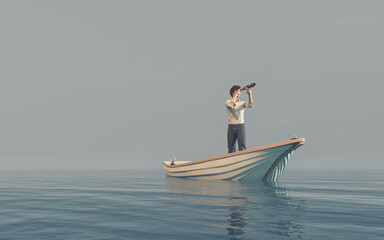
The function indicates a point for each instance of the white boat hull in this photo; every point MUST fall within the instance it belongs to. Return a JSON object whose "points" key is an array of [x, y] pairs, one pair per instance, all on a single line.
{"points": [[256, 164]]}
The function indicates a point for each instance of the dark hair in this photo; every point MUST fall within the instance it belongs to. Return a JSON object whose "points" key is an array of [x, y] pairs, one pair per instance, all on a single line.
{"points": [[233, 89]]}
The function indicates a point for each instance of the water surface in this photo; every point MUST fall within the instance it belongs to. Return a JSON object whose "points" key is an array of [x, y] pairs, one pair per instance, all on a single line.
{"points": [[145, 204]]}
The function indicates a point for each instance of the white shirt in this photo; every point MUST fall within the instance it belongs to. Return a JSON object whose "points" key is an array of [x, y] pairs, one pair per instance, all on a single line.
{"points": [[236, 111]]}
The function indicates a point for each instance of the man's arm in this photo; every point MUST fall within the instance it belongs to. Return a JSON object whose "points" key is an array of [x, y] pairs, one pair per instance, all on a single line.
{"points": [[250, 100], [235, 95], [232, 103]]}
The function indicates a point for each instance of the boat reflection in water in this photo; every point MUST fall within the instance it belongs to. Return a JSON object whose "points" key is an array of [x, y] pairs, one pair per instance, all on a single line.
{"points": [[244, 210]]}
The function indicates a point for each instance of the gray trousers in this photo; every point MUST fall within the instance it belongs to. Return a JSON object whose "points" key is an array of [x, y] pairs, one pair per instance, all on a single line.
{"points": [[236, 132]]}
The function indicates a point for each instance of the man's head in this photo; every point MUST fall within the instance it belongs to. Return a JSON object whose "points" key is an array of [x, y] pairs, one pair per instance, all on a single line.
{"points": [[234, 89]]}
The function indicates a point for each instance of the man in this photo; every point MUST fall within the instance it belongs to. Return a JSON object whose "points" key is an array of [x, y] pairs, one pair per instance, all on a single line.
{"points": [[235, 108]]}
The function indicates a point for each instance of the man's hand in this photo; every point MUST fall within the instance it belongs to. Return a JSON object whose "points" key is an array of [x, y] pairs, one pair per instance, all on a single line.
{"points": [[248, 91]]}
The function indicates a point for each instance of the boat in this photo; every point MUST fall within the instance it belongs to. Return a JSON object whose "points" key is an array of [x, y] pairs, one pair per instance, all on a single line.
{"points": [[265, 163]]}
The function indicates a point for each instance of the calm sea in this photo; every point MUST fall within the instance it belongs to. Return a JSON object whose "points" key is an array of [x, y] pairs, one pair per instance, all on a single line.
{"points": [[144, 204]]}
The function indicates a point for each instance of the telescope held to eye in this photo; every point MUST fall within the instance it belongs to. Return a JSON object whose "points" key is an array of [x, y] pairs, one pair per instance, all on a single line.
{"points": [[248, 86]]}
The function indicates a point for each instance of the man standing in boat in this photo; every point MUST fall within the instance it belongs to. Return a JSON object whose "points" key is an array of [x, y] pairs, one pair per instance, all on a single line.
{"points": [[235, 108]]}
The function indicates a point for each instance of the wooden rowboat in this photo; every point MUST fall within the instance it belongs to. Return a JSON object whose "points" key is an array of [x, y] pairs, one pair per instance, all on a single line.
{"points": [[264, 163]]}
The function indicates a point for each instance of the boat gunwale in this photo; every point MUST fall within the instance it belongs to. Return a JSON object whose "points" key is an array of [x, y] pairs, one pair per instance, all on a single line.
{"points": [[299, 141]]}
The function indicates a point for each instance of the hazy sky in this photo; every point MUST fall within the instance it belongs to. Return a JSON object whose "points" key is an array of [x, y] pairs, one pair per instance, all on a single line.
{"points": [[127, 84]]}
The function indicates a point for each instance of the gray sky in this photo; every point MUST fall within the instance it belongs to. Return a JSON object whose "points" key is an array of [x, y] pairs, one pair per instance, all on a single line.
{"points": [[127, 84]]}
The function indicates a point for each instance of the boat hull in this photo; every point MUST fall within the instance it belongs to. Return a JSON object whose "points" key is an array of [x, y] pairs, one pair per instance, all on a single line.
{"points": [[264, 163]]}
